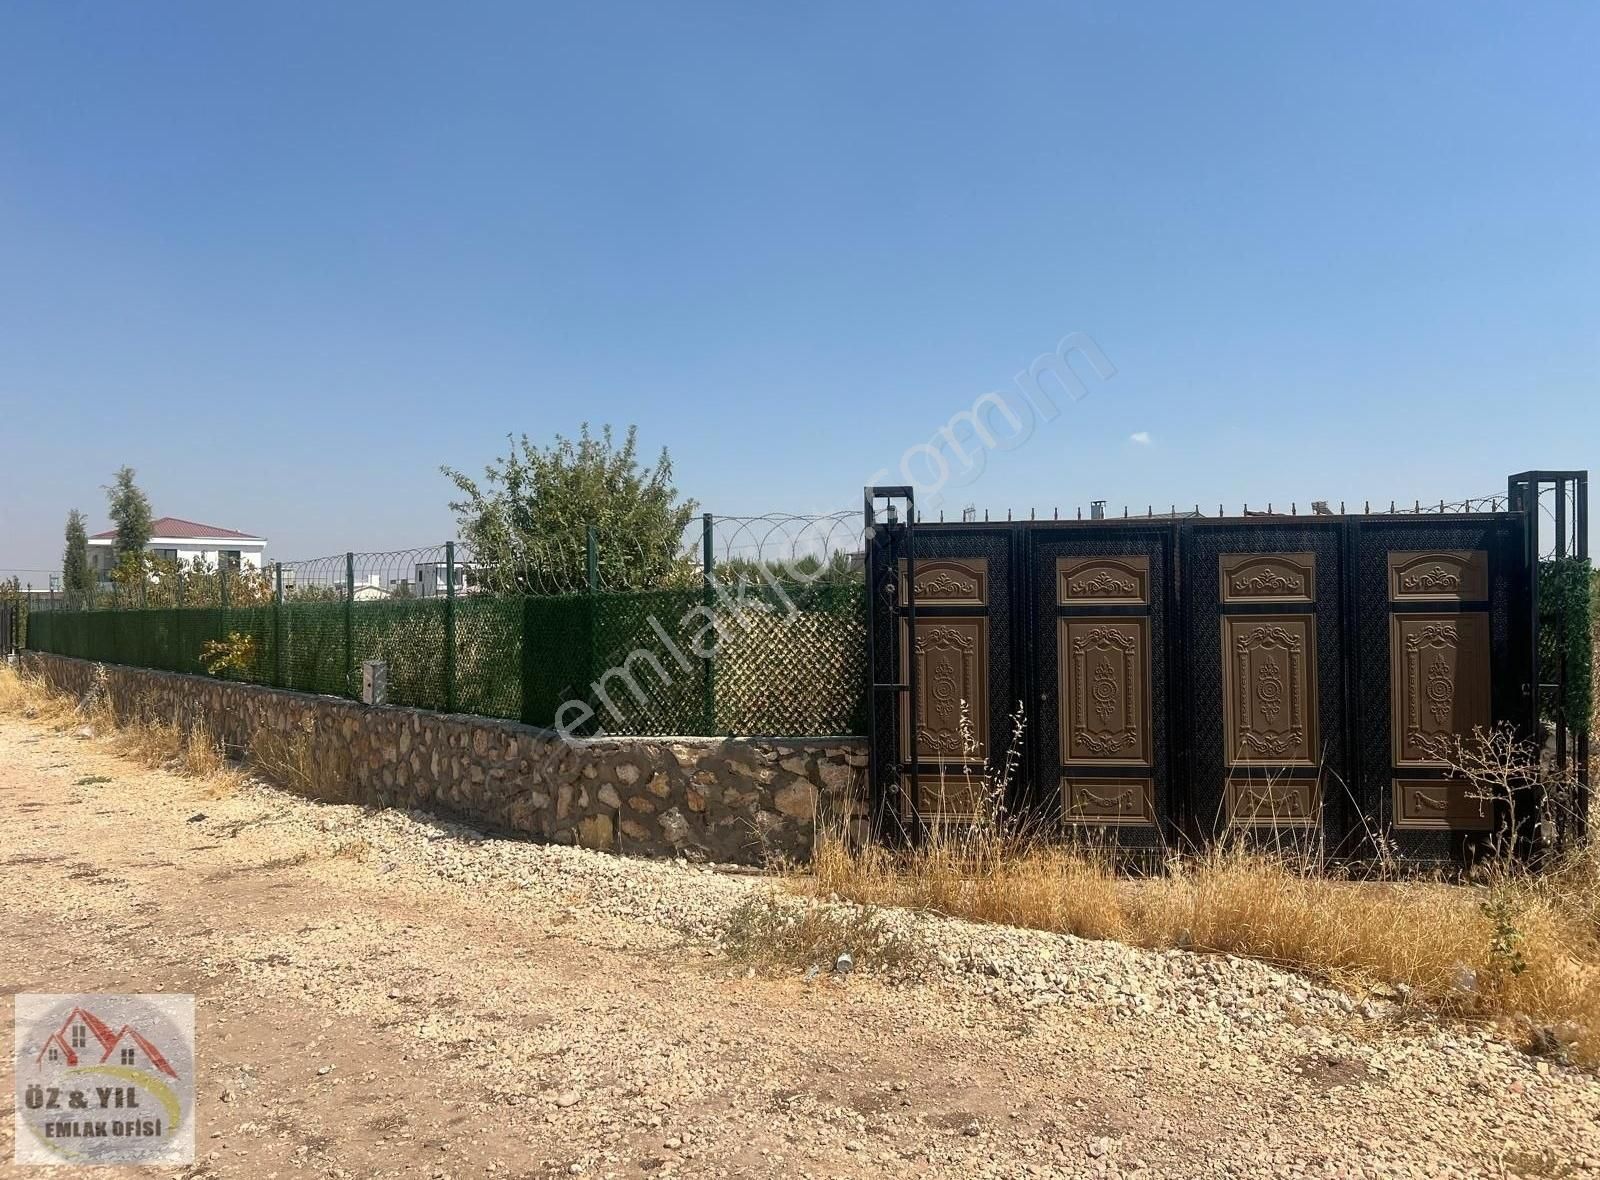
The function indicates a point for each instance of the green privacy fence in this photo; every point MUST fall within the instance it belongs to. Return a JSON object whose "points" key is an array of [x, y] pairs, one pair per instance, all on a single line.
{"points": [[761, 657]]}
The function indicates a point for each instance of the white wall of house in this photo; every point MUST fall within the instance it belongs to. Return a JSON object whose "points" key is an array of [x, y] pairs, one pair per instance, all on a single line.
{"points": [[242, 554]]}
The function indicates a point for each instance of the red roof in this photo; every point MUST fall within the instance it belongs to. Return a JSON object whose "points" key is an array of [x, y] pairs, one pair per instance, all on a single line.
{"points": [[171, 526], [151, 1053]]}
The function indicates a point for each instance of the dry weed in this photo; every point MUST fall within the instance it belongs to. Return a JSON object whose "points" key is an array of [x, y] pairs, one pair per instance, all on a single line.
{"points": [[1513, 944], [1518, 945], [767, 934], [27, 696], [289, 759]]}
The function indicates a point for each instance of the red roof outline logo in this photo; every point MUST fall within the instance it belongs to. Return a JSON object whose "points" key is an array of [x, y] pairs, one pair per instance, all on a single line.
{"points": [[109, 1041]]}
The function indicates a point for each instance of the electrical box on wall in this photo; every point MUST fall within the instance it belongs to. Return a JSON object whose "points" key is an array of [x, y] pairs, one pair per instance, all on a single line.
{"points": [[374, 682]]}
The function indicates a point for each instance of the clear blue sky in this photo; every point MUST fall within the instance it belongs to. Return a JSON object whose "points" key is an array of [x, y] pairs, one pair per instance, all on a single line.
{"points": [[286, 259]]}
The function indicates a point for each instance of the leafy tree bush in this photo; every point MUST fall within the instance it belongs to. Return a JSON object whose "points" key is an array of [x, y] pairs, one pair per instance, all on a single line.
{"points": [[526, 521]]}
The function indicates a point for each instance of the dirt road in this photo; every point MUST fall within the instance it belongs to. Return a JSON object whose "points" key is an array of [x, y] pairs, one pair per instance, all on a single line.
{"points": [[378, 995]]}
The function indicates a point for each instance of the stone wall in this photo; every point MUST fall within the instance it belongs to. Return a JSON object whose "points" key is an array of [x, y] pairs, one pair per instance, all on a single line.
{"points": [[740, 800]]}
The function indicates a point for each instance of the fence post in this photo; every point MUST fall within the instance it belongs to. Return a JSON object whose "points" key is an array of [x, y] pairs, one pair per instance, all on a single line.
{"points": [[349, 623], [177, 624], [591, 623], [529, 664], [222, 590], [277, 624], [708, 580], [449, 626]]}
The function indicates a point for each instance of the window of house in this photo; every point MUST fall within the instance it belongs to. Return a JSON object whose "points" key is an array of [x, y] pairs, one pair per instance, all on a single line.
{"points": [[165, 554], [127, 1057], [228, 559], [55, 1054], [80, 1038]]}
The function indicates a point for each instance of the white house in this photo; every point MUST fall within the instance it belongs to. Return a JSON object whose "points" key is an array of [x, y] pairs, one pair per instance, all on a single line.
{"points": [[183, 541]]}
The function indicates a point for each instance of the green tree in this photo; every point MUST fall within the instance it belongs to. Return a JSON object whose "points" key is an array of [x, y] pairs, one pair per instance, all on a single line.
{"points": [[526, 520], [130, 514], [76, 577]]}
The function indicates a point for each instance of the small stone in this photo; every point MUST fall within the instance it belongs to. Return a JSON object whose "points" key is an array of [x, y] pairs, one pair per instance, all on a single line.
{"points": [[324, 1071], [627, 773], [567, 1098], [835, 778], [797, 799], [1099, 1147]]}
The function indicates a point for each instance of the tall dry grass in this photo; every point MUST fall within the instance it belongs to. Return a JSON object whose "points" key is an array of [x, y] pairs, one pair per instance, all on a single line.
{"points": [[133, 732], [1515, 945]]}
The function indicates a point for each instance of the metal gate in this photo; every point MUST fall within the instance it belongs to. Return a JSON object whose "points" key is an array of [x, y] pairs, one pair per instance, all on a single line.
{"points": [[1178, 677]]}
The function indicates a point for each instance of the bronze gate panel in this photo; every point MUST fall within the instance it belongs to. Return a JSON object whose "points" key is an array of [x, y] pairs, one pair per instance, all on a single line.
{"points": [[1440, 805], [952, 670], [947, 581], [1441, 682], [1108, 802], [1269, 801], [1269, 577], [1270, 700], [1105, 691], [1459, 575], [1103, 581], [955, 794]]}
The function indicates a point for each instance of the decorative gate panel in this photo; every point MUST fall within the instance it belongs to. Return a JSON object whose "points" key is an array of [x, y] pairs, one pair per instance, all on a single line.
{"points": [[1105, 692], [1270, 664], [1276, 577], [952, 680], [1103, 581], [1441, 683]]}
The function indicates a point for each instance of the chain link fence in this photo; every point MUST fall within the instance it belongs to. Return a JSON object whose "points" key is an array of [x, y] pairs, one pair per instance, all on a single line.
{"points": [[755, 625]]}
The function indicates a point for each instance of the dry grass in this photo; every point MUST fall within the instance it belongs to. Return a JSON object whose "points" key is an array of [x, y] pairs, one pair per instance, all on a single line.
{"points": [[136, 731], [195, 752], [27, 696], [1523, 945], [289, 759], [765, 933]]}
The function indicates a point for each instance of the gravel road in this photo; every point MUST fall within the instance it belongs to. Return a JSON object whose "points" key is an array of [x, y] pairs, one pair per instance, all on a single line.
{"points": [[384, 995]]}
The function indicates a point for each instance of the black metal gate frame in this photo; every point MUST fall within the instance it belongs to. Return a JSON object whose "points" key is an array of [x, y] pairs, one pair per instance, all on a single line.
{"points": [[893, 541]]}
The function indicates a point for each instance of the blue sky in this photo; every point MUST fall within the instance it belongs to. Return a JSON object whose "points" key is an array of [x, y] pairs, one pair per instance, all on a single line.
{"points": [[287, 259]]}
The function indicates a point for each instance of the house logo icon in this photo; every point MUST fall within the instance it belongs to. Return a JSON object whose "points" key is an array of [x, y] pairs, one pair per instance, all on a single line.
{"points": [[104, 1079]]}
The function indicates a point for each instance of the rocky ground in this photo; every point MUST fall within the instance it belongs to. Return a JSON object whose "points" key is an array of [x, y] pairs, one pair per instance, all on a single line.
{"points": [[380, 994]]}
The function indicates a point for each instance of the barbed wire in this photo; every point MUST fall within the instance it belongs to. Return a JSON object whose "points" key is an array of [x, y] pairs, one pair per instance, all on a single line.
{"points": [[801, 546]]}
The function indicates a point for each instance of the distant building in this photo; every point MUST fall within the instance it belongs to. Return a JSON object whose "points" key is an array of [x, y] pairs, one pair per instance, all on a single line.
{"points": [[433, 578], [183, 541]]}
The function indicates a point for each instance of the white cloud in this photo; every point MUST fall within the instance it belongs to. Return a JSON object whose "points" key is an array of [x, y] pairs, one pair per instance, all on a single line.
{"points": [[1142, 437]]}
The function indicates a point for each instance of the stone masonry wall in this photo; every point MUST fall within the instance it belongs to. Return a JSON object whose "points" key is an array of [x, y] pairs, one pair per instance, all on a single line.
{"points": [[738, 800]]}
